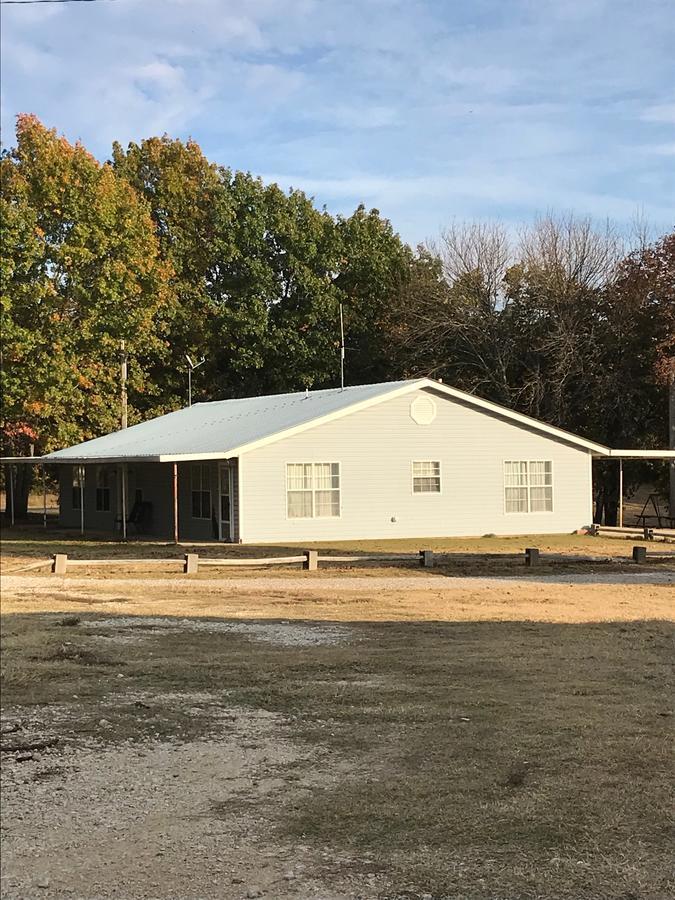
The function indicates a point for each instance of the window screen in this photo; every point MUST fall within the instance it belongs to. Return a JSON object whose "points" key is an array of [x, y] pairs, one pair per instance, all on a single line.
{"points": [[200, 477], [102, 490]]}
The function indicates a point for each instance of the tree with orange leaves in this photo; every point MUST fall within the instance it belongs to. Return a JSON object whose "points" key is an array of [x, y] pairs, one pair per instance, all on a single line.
{"points": [[80, 273]]}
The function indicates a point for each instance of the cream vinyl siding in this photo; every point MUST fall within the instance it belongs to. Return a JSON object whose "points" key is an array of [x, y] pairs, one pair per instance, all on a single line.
{"points": [[377, 447]]}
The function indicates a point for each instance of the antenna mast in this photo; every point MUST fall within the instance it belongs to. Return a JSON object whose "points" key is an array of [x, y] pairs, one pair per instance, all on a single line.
{"points": [[123, 373], [342, 351], [191, 367]]}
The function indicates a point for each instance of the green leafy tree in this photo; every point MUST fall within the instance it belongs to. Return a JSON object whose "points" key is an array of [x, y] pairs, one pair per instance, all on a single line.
{"points": [[375, 268], [194, 219]]}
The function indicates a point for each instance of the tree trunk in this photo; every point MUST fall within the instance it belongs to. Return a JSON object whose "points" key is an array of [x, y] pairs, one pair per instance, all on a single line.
{"points": [[611, 512]]}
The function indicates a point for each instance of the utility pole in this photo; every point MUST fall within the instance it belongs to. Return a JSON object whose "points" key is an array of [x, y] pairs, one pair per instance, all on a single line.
{"points": [[123, 373], [342, 350], [671, 442]]}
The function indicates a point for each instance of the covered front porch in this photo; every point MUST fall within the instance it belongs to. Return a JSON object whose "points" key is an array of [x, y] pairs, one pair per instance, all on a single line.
{"points": [[179, 501]]}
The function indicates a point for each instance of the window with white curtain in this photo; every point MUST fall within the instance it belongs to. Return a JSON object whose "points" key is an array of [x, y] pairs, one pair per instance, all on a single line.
{"points": [[528, 486], [312, 490], [426, 477]]}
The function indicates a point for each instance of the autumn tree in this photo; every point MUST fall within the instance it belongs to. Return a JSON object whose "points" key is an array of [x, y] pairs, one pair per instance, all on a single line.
{"points": [[636, 367], [80, 272]]}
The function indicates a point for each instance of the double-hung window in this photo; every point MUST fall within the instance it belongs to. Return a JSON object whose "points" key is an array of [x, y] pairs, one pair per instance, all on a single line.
{"points": [[426, 477], [312, 490], [200, 484], [102, 489], [528, 486]]}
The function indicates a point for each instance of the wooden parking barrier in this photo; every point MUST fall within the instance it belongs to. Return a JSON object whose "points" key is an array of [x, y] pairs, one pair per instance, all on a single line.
{"points": [[531, 557], [191, 563], [644, 532], [60, 563], [311, 562], [260, 561], [640, 555]]}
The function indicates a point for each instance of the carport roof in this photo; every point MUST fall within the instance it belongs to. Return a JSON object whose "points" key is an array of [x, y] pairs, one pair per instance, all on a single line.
{"points": [[227, 428]]}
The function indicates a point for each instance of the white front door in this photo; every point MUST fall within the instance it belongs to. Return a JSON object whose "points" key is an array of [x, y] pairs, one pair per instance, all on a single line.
{"points": [[225, 490]]}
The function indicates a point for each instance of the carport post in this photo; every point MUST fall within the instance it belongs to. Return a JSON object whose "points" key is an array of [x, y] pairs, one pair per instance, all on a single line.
{"points": [[620, 493], [124, 500], [175, 503], [44, 496]]}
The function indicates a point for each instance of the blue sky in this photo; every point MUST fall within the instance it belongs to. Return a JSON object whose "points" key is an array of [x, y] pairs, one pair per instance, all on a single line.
{"points": [[429, 110]]}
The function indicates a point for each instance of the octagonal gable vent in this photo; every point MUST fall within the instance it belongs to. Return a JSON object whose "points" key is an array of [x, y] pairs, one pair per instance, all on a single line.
{"points": [[423, 410]]}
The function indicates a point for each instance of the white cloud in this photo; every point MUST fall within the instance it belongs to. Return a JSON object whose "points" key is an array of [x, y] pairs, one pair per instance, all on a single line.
{"points": [[662, 149], [661, 112], [423, 108]]}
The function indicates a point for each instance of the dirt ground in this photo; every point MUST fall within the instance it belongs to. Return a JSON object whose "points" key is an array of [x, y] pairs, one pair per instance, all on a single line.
{"points": [[344, 736]]}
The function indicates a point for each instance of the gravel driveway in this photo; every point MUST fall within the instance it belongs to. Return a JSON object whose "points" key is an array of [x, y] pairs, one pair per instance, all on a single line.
{"points": [[332, 583]]}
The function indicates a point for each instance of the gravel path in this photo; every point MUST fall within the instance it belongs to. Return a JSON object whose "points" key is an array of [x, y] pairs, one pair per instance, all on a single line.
{"points": [[343, 583]]}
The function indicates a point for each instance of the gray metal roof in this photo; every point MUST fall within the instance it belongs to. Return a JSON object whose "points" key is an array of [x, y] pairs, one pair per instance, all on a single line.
{"points": [[217, 429], [227, 428]]}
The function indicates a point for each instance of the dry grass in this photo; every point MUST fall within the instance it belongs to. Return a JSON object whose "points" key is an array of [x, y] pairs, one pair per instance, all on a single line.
{"points": [[455, 556], [474, 746]]}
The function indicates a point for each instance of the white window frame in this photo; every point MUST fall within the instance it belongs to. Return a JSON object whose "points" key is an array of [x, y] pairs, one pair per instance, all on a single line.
{"points": [[435, 462], [313, 490], [528, 487], [203, 467]]}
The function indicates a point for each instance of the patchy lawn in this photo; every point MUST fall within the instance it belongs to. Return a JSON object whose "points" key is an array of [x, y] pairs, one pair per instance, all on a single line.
{"points": [[215, 744]]}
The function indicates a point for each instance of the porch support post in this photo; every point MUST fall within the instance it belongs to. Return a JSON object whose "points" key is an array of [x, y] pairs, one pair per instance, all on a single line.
{"points": [[124, 501], [44, 496], [81, 499], [175, 503], [620, 493]]}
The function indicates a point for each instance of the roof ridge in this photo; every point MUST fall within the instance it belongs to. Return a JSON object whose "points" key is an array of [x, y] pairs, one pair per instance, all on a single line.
{"points": [[349, 387]]}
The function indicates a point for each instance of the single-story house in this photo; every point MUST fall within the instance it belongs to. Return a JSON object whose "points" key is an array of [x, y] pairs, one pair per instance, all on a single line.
{"points": [[406, 459]]}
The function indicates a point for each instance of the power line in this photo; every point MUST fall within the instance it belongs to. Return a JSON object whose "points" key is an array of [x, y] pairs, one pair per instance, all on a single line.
{"points": [[26, 2]]}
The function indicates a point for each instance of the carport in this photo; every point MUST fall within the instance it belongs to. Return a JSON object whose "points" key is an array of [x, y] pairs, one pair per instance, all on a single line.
{"points": [[667, 456]]}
